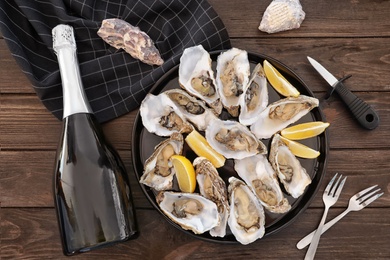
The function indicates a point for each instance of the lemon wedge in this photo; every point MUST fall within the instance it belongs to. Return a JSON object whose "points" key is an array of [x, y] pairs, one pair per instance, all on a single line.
{"points": [[305, 130], [202, 148], [185, 173], [300, 150], [278, 82]]}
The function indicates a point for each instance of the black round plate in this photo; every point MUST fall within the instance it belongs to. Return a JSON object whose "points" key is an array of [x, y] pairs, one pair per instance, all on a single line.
{"points": [[143, 144]]}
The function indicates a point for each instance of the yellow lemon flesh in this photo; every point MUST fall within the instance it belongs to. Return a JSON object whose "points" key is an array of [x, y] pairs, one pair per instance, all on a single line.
{"points": [[185, 173], [300, 150], [278, 82], [305, 130], [202, 148]]}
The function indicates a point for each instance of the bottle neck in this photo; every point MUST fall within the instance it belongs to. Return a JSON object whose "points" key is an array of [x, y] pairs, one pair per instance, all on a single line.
{"points": [[74, 98]]}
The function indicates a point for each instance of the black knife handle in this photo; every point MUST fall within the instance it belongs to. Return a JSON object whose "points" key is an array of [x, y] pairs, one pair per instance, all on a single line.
{"points": [[363, 112]]}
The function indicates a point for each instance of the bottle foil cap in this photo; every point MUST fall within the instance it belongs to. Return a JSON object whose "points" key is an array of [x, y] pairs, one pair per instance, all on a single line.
{"points": [[63, 36]]}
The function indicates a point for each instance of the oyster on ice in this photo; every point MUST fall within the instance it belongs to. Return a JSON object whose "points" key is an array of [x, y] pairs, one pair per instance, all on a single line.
{"points": [[189, 210], [288, 168], [282, 113], [259, 175], [255, 98], [197, 77], [247, 218], [212, 187], [233, 140], [232, 78], [158, 171], [160, 116], [191, 108]]}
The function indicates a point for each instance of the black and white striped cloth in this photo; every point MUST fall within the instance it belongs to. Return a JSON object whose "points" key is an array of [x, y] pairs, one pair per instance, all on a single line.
{"points": [[114, 82]]}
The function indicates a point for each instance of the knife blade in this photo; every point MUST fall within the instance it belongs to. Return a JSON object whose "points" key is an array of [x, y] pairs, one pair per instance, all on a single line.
{"points": [[363, 113]]}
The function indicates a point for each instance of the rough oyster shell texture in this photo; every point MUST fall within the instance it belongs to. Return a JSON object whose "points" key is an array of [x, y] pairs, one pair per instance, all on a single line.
{"points": [[262, 179], [282, 15], [122, 35]]}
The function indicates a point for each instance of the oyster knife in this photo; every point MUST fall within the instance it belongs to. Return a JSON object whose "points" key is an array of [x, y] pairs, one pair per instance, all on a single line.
{"points": [[363, 113]]}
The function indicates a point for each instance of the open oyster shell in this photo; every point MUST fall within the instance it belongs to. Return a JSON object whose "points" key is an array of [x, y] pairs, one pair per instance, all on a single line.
{"points": [[282, 113], [232, 78], [233, 140], [197, 77], [259, 175], [191, 108], [158, 171], [288, 168], [247, 218], [212, 187], [255, 98], [189, 210], [160, 116]]}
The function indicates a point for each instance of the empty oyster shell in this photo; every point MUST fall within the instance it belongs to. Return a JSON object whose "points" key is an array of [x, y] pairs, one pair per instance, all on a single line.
{"points": [[255, 98], [288, 168], [233, 140], [190, 210], [259, 175], [191, 108], [282, 113], [158, 172], [122, 35], [232, 78], [282, 15], [160, 116], [197, 77], [212, 186], [246, 219]]}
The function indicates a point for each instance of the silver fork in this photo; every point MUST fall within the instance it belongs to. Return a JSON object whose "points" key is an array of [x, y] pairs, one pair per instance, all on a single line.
{"points": [[357, 202], [330, 196]]}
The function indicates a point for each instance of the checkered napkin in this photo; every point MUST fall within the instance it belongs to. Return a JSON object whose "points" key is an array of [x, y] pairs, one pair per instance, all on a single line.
{"points": [[115, 83]]}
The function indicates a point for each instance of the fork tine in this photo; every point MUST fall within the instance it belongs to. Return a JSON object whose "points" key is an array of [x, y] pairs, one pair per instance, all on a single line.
{"points": [[367, 202], [340, 187], [335, 186], [367, 196], [362, 192], [327, 189]]}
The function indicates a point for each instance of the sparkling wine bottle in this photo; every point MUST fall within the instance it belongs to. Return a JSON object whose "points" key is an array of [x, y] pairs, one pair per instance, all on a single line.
{"points": [[91, 187]]}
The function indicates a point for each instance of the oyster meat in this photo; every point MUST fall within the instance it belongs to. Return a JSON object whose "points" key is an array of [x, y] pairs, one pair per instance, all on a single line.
{"points": [[288, 168], [189, 210], [160, 116], [158, 171], [191, 108], [233, 140], [246, 219], [212, 187], [232, 78], [259, 175], [282, 113], [255, 98], [197, 77]]}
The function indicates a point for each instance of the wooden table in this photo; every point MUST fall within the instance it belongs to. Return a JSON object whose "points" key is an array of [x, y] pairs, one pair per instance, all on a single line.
{"points": [[348, 37]]}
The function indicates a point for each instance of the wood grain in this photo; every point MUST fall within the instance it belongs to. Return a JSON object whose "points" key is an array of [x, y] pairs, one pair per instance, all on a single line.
{"points": [[348, 37]]}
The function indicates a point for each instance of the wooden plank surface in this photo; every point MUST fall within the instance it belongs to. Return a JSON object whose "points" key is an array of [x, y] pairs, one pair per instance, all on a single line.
{"points": [[348, 37]]}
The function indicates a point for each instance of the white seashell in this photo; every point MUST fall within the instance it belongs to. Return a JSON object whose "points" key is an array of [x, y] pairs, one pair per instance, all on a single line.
{"points": [[259, 175], [232, 78], [282, 15], [288, 168], [247, 218], [212, 187], [189, 210]]}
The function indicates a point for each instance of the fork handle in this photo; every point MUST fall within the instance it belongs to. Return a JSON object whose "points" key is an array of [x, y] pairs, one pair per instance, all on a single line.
{"points": [[316, 238], [307, 239]]}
